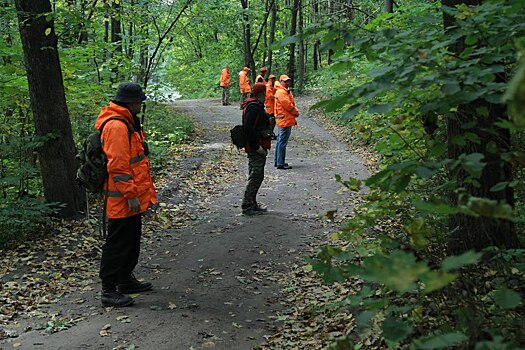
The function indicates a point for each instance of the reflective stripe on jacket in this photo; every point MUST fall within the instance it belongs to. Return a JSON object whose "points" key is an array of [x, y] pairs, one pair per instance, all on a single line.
{"points": [[244, 82], [225, 78], [128, 166], [285, 110], [269, 102]]}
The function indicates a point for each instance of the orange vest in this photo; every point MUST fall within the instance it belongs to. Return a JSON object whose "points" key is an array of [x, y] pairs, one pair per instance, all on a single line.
{"points": [[260, 79], [269, 102], [128, 166], [285, 111], [225, 78], [244, 82]]}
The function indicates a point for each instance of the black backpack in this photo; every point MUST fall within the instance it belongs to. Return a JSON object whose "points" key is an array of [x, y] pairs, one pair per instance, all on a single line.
{"points": [[237, 132], [92, 172]]}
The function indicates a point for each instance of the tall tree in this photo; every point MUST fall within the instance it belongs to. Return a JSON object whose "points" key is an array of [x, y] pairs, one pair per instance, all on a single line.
{"points": [[116, 38], [470, 232], [48, 103], [271, 40], [389, 6], [291, 47], [300, 52]]}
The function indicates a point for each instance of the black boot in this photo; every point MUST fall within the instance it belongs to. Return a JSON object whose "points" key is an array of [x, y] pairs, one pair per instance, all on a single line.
{"points": [[110, 297], [132, 285]]}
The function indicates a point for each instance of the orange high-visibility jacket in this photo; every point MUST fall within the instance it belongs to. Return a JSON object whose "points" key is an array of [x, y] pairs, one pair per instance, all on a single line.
{"points": [[244, 82], [285, 110], [128, 166], [260, 79], [225, 78], [269, 102]]}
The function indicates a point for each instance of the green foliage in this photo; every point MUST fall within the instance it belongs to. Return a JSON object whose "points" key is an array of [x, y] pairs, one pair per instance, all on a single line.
{"points": [[395, 85]]}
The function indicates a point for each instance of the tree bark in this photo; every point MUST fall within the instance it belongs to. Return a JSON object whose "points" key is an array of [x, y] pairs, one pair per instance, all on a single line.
{"points": [[300, 53], [291, 47], [248, 57], [469, 232], [389, 6], [116, 38], [48, 103], [271, 39]]}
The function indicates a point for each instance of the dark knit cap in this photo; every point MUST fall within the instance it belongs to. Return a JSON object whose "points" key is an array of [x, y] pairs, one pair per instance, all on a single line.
{"points": [[129, 92]]}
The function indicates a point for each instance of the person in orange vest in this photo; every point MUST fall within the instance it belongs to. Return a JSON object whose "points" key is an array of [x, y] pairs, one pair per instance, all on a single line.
{"points": [[129, 193], [286, 113], [258, 141], [260, 78], [270, 103], [244, 83], [225, 85]]}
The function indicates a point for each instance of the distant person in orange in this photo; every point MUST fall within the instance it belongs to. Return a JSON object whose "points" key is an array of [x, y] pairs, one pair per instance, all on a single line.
{"points": [[225, 85], [286, 113], [244, 83], [270, 103], [260, 78]]}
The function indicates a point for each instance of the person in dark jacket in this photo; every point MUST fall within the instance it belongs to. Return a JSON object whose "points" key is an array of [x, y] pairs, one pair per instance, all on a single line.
{"points": [[258, 141]]}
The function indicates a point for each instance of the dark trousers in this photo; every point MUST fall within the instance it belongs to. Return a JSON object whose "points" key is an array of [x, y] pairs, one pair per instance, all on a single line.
{"points": [[256, 164], [120, 253]]}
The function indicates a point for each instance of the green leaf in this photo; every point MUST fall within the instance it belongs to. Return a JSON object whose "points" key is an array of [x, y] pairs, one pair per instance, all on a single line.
{"points": [[435, 280], [395, 330], [473, 163], [455, 262], [441, 341], [507, 298], [499, 186], [380, 109], [398, 271]]}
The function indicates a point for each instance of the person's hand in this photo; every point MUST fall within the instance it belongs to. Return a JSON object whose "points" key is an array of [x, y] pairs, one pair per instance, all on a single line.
{"points": [[261, 151], [134, 204]]}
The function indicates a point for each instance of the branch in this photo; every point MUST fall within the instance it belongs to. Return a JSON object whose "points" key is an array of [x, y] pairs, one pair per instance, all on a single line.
{"points": [[262, 27], [161, 39]]}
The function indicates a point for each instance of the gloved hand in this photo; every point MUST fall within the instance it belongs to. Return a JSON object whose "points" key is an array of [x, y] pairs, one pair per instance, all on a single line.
{"points": [[134, 205], [261, 151]]}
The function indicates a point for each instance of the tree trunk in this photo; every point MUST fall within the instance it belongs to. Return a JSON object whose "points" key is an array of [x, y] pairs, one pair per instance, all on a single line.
{"points": [[48, 103], [389, 6], [301, 65], [248, 58], [291, 47], [116, 38], [271, 40], [469, 232]]}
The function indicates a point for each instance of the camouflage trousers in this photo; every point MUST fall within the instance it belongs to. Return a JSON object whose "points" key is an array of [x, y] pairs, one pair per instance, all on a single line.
{"points": [[256, 164], [225, 95]]}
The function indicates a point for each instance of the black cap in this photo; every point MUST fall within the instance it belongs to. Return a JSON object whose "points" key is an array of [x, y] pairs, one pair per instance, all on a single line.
{"points": [[129, 92]]}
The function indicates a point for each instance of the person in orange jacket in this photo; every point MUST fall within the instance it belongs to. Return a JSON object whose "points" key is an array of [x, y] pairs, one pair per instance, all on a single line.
{"points": [[129, 192], [270, 103], [244, 83], [260, 78], [225, 85], [286, 113]]}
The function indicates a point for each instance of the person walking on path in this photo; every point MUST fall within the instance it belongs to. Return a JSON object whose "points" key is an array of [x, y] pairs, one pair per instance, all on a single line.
{"points": [[286, 113], [244, 83], [261, 77], [270, 103], [129, 190], [225, 85], [258, 142]]}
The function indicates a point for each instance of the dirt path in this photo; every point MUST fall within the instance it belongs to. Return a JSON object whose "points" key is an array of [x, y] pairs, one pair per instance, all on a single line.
{"points": [[217, 280]]}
